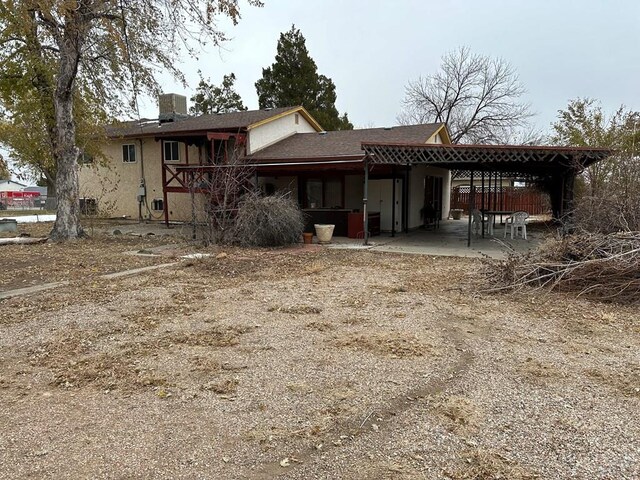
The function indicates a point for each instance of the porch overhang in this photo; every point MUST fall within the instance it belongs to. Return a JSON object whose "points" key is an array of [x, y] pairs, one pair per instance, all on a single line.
{"points": [[516, 160], [294, 166]]}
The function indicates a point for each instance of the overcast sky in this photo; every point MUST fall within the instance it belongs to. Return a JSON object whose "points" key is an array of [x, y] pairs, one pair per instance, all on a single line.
{"points": [[561, 49]]}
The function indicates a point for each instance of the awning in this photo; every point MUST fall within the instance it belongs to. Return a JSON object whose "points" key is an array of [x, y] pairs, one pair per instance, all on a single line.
{"points": [[508, 159]]}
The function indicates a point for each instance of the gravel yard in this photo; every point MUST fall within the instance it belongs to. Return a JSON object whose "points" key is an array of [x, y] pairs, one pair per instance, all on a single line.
{"points": [[310, 363]]}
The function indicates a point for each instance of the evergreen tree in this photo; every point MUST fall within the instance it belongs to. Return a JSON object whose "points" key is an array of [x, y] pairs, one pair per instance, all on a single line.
{"points": [[293, 79], [212, 99]]}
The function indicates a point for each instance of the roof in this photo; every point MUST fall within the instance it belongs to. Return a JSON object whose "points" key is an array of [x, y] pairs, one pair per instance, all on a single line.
{"points": [[12, 181], [342, 143], [521, 159], [233, 121]]}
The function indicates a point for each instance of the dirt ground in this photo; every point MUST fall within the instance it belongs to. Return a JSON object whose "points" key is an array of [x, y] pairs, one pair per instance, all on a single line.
{"points": [[307, 363]]}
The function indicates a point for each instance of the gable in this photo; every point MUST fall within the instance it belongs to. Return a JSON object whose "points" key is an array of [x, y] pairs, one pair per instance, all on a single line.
{"points": [[271, 131]]}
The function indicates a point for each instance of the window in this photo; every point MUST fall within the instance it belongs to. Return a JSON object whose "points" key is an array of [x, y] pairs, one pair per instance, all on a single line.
{"points": [[323, 193], [85, 159], [171, 152], [297, 117], [129, 153]]}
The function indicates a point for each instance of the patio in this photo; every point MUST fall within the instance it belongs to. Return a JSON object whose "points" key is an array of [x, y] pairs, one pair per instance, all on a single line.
{"points": [[451, 240]]}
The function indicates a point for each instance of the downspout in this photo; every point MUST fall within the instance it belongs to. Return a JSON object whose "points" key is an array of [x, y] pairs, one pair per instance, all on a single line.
{"points": [[142, 188]]}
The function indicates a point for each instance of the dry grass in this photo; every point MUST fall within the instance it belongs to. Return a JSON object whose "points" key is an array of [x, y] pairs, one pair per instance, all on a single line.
{"points": [[626, 381], [320, 326], [79, 359], [296, 309], [223, 387], [396, 344], [481, 464], [461, 415], [538, 371]]}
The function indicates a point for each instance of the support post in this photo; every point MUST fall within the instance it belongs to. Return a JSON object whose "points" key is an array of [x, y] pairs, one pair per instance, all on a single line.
{"points": [[405, 199], [471, 195], [365, 220], [165, 202], [393, 204], [482, 204]]}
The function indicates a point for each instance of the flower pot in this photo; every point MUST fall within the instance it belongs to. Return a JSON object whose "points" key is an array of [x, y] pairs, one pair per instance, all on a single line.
{"points": [[307, 237], [324, 232], [456, 213]]}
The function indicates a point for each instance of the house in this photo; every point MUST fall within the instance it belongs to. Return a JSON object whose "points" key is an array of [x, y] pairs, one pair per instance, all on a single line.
{"points": [[18, 195], [147, 163], [11, 186], [400, 176]]}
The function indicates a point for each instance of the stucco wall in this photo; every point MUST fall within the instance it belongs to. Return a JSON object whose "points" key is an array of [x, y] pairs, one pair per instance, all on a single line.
{"points": [[269, 133], [416, 192], [114, 183]]}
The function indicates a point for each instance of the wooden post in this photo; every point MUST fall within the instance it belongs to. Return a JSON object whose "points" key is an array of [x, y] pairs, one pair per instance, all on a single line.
{"points": [[165, 200], [471, 195], [365, 220], [482, 204]]}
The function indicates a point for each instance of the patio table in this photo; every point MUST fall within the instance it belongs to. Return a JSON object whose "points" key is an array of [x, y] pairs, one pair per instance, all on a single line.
{"points": [[491, 217]]}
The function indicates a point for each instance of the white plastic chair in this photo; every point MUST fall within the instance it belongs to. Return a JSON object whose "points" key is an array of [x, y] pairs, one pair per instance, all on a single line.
{"points": [[477, 219], [516, 221]]}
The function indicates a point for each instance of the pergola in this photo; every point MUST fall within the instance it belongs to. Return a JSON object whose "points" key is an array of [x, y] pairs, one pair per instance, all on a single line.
{"points": [[553, 167]]}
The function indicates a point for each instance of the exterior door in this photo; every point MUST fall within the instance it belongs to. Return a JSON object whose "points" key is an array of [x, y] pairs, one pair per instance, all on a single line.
{"points": [[433, 194], [380, 199]]}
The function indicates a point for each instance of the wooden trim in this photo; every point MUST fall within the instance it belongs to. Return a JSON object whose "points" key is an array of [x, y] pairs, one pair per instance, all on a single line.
{"points": [[300, 110], [444, 134]]}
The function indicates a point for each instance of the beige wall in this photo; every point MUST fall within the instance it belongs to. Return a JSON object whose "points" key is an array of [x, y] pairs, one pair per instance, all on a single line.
{"points": [[416, 192], [115, 183], [274, 131]]}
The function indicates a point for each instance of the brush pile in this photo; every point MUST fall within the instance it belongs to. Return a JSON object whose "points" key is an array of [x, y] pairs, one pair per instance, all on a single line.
{"points": [[272, 221], [602, 267]]}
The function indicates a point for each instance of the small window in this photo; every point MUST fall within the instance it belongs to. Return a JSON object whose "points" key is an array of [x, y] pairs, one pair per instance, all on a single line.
{"points": [[85, 159], [171, 152], [129, 153], [297, 119]]}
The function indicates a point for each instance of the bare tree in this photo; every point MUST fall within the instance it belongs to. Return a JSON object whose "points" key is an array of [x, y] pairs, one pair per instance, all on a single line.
{"points": [[476, 96], [216, 194]]}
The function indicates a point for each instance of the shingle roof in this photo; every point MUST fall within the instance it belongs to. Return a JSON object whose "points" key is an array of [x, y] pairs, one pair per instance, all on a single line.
{"points": [[227, 121], [342, 143]]}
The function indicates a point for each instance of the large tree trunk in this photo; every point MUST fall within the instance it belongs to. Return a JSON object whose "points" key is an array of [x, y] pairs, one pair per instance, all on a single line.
{"points": [[67, 225]]}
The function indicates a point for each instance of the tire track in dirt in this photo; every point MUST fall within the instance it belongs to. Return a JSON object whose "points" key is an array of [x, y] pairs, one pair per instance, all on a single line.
{"points": [[398, 405]]}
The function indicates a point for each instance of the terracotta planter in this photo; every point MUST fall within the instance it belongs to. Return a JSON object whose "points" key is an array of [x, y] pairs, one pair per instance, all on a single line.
{"points": [[307, 238], [324, 232]]}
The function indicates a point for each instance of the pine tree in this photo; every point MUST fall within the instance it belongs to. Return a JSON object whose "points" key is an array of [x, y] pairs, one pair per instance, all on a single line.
{"points": [[212, 99], [293, 79]]}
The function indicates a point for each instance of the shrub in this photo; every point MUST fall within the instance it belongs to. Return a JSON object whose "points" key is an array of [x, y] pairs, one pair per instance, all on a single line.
{"points": [[268, 222]]}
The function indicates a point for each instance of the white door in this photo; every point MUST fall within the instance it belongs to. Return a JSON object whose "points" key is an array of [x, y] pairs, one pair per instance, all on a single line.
{"points": [[380, 200]]}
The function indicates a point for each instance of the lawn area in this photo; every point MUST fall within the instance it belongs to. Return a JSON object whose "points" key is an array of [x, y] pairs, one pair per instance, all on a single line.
{"points": [[306, 363]]}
